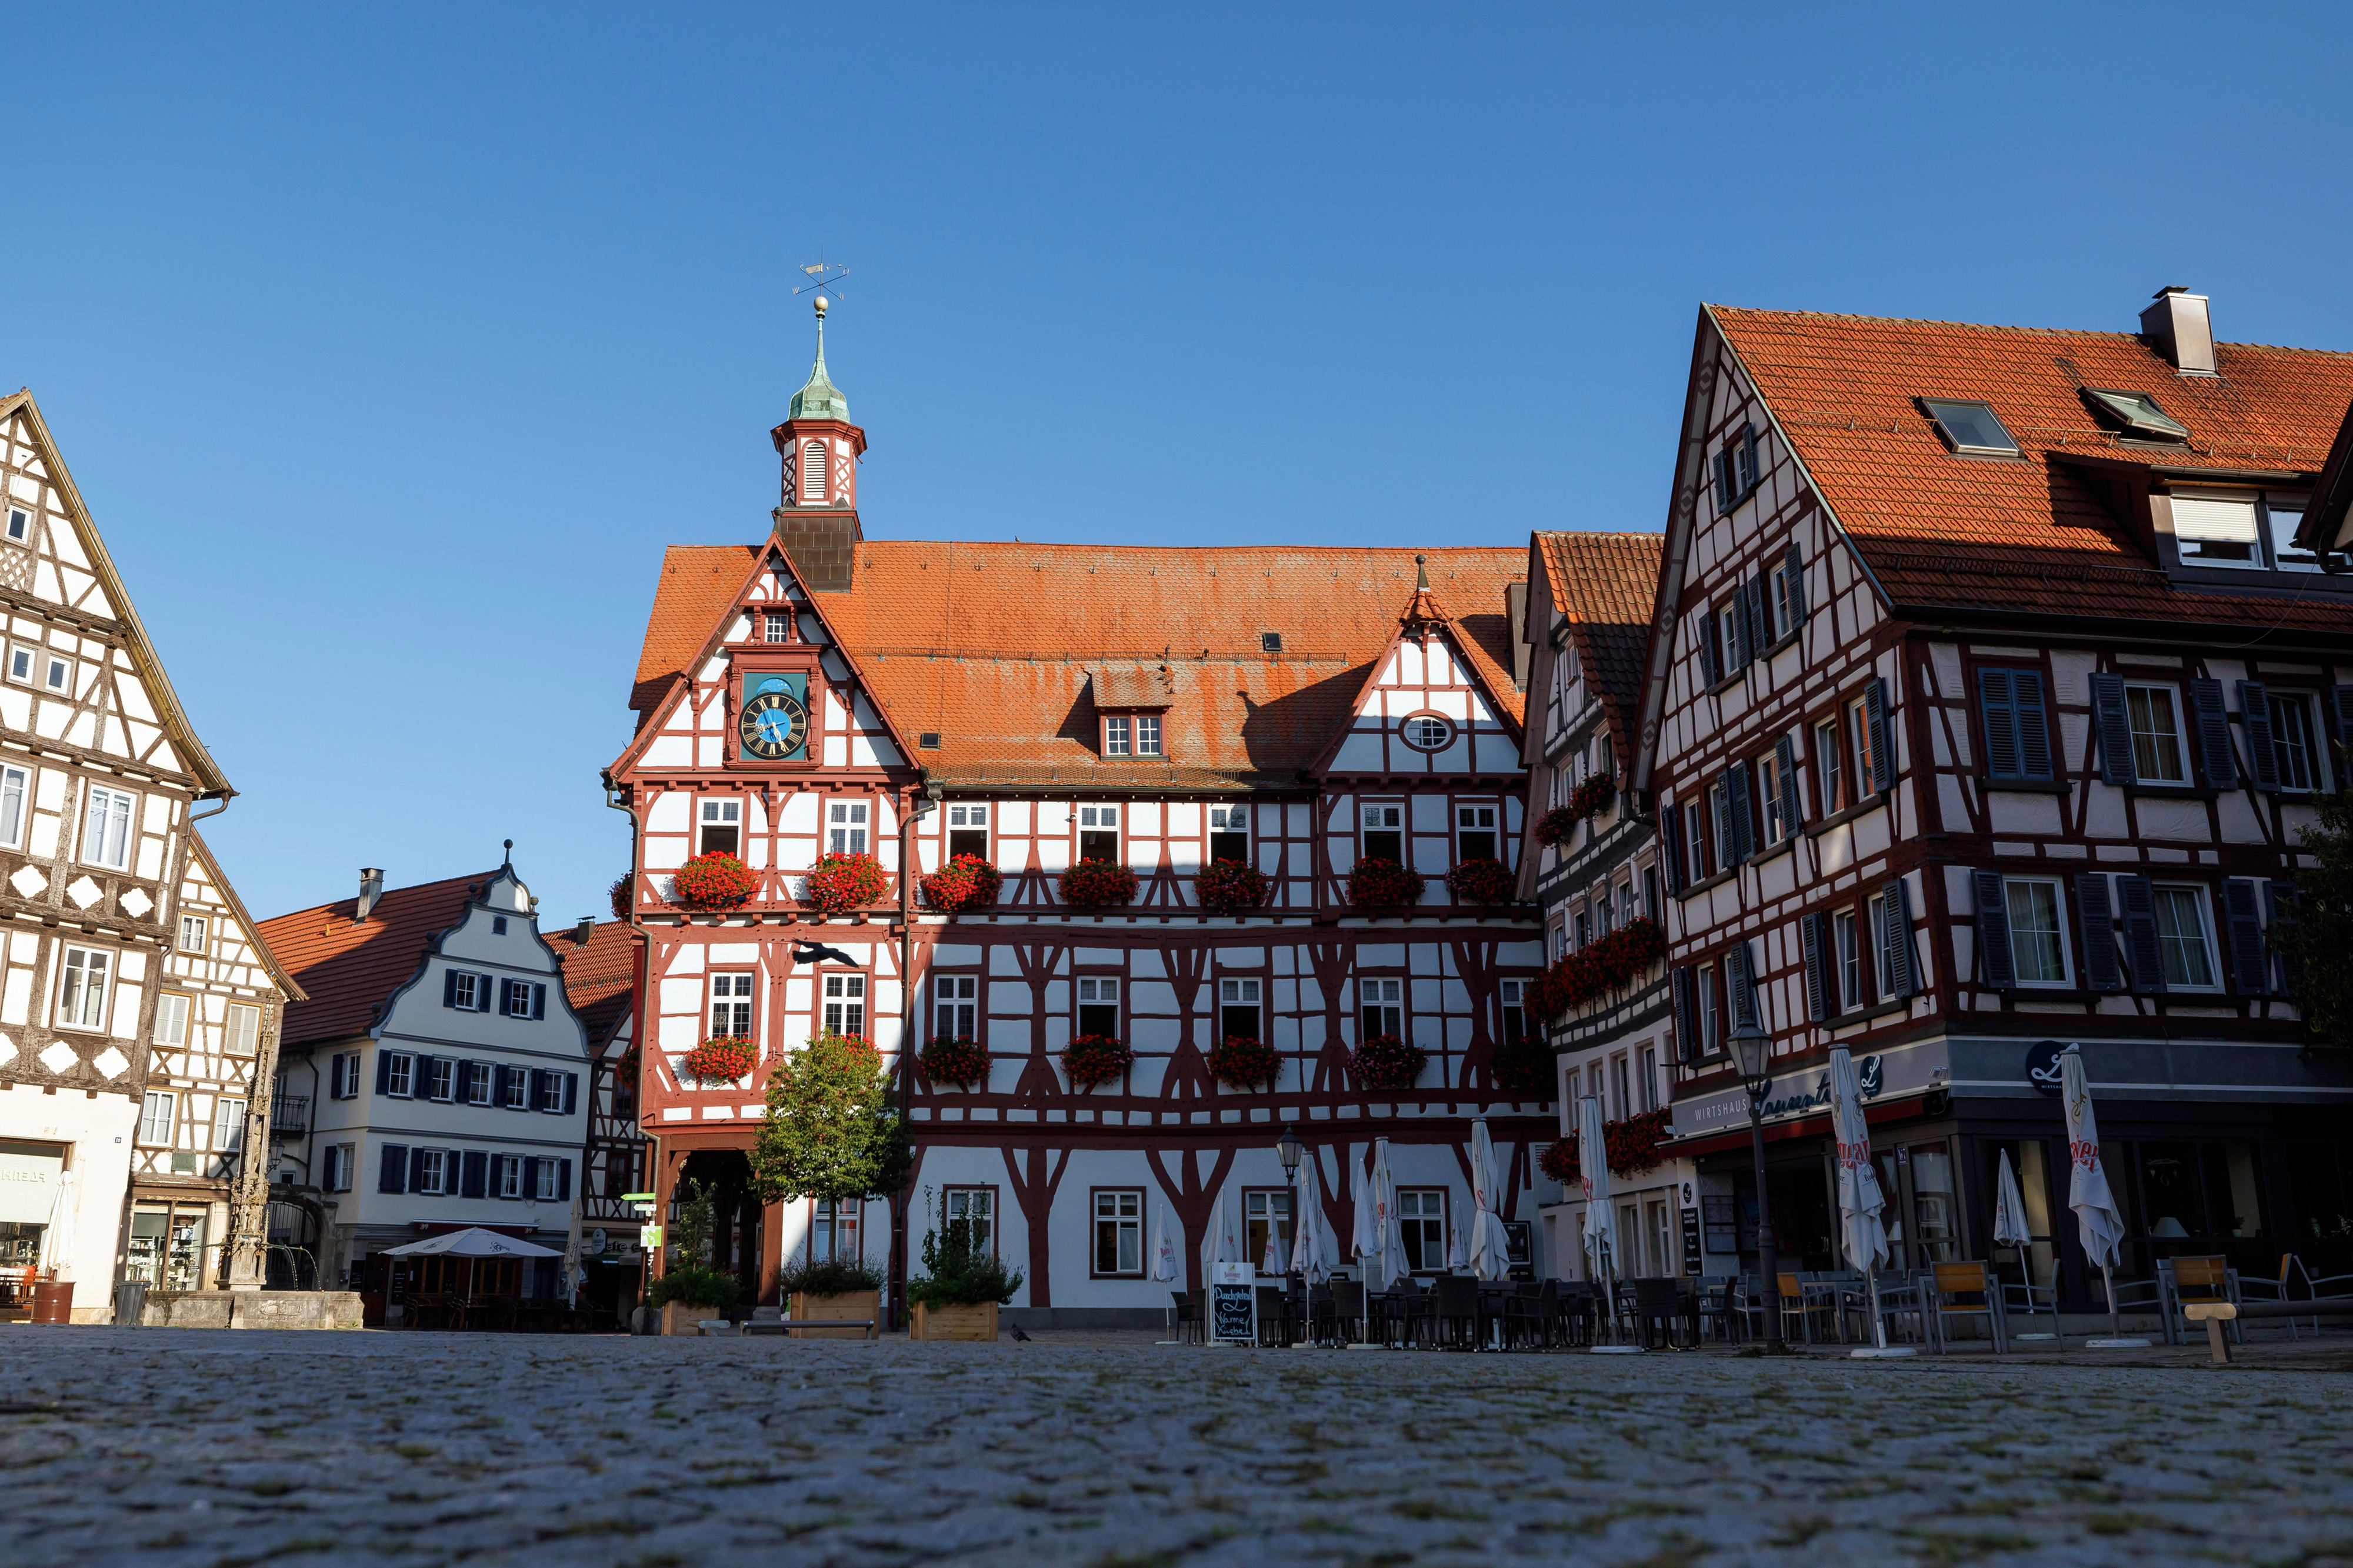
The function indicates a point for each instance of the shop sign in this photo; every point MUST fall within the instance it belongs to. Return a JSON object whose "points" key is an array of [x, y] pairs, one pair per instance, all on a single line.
{"points": [[2043, 1065], [1233, 1303], [28, 1187], [1801, 1094]]}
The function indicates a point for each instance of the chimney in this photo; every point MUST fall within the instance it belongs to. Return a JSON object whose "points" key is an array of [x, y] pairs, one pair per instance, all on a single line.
{"points": [[371, 889], [2177, 326], [584, 930]]}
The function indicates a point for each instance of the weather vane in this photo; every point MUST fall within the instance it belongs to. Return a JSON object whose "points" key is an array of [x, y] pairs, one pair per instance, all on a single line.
{"points": [[825, 277]]}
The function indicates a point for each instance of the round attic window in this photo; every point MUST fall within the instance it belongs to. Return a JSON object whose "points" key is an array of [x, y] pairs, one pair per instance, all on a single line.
{"points": [[1429, 732]]}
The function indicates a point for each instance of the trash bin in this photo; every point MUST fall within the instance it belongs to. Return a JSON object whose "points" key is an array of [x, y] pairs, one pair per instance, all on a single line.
{"points": [[53, 1301], [130, 1303]]}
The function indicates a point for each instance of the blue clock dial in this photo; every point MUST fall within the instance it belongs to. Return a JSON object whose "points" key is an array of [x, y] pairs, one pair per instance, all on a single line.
{"points": [[773, 724]]}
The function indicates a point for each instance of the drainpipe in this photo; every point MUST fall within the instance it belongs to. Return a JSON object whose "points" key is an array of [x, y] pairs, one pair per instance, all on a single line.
{"points": [[910, 813]]}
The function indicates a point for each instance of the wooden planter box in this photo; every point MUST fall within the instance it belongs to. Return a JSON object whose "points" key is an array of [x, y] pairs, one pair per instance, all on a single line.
{"points": [[678, 1318], [860, 1305], [974, 1322]]}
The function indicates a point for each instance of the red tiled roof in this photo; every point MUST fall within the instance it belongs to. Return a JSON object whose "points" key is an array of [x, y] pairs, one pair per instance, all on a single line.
{"points": [[597, 977], [349, 968], [993, 646], [1606, 584], [1937, 530]]}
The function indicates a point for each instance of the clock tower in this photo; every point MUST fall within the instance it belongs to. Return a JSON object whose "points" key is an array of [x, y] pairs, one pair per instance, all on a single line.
{"points": [[818, 521]]}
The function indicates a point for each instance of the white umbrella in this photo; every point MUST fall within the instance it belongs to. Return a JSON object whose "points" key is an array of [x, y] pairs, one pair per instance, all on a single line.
{"points": [[472, 1242], [1385, 1211], [1491, 1245], [2101, 1223], [1593, 1180], [1455, 1257], [1270, 1261], [1311, 1257], [2010, 1210], [1164, 1267], [1223, 1243], [56, 1239], [1861, 1202]]}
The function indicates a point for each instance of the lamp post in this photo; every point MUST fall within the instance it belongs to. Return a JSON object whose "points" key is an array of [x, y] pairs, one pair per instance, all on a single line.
{"points": [[1753, 1049], [1288, 1148]]}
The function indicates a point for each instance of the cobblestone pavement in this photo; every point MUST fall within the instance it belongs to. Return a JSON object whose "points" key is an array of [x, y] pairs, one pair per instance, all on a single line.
{"points": [[217, 1448]]}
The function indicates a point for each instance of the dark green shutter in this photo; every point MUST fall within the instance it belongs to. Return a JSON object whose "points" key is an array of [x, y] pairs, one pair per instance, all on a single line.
{"points": [[1993, 931], [2215, 758], [2100, 969], [2108, 716], [2256, 715]]}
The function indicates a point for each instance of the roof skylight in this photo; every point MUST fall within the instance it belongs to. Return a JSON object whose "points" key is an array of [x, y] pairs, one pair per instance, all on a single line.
{"points": [[2138, 414], [1970, 428]]}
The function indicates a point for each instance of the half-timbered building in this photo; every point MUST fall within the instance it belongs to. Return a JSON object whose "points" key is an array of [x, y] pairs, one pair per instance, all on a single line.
{"points": [[601, 959], [1988, 691], [1156, 709]]}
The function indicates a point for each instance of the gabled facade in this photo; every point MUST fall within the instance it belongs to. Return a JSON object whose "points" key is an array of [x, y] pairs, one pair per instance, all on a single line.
{"points": [[601, 961], [1987, 694], [1158, 709]]}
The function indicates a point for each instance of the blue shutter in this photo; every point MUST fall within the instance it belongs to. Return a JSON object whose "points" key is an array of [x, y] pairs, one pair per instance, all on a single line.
{"points": [[1760, 618], [2256, 713], [1793, 572], [1902, 976], [2141, 952], [1882, 754], [1687, 1017], [1710, 670], [391, 1176], [2279, 898], [449, 988], [563, 1179], [420, 1077], [533, 1096], [1785, 754], [1994, 957], [1813, 932], [2215, 758], [529, 1176], [1671, 846], [499, 1085], [2108, 716], [1742, 812], [571, 1092], [2100, 969], [2033, 727], [2000, 705], [538, 1001], [1740, 986], [475, 1180], [416, 1170], [383, 1070], [2248, 960]]}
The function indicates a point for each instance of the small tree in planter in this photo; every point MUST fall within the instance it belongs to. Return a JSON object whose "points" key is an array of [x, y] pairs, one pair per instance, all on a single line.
{"points": [[842, 883], [831, 1132], [1098, 885], [1239, 1062], [1383, 884], [1524, 1068], [836, 1288], [1387, 1065], [1231, 887], [1093, 1060], [1480, 882], [966, 882], [958, 1060], [722, 1058], [962, 1286], [714, 881]]}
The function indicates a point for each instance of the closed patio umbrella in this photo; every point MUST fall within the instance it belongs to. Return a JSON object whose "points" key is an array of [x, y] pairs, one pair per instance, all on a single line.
{"points": [[1272, 1260], [1862, 1235], [1490, 1245], [1600, 1220], [57, 1238], [1391, 1235], [1164, 1267], [2010, 1211], [1311, 1252], [1223, 1243], [2101, 1223]]}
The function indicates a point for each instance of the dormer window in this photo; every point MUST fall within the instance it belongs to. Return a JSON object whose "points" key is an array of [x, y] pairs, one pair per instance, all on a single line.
{"points": [[2137, 414], [1970, 429], [1147, 735], [2216, 531], [1114, 741], [1130, 736]]}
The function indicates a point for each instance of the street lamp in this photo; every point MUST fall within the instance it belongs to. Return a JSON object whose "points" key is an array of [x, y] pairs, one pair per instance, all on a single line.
{"points": [[1754, 1048], [1288, 1149]]}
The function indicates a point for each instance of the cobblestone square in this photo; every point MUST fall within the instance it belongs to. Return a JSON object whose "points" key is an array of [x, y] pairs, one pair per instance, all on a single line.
{"points": [[213, 1448]]}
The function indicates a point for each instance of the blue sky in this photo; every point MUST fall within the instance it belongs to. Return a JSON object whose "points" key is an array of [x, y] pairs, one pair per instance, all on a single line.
{"points": [[390, 350]]}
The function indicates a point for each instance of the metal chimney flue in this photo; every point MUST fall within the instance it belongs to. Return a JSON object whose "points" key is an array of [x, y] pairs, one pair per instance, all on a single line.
{"points": [[371, 889], [2181, 326]]}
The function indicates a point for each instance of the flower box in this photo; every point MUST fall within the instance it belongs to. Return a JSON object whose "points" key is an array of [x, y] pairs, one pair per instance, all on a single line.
{"points": [[1098, 885], [680, 1317], [958, 1061], [1387, 1065], [1093, 1060], [858, 1305], [714, 881], [623, 894], [1239, 1062], [1383, 884], [966, 882], [1594, 794], [839, 882], [724, 1058], [1231, 887], [934, 1324], [1525, 1069], [1555, 825], [1480, 882]]}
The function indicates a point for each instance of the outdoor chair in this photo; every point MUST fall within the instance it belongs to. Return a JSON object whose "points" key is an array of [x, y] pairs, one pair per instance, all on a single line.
{"points": [[2181, 1280], [1188, 1315], [2296, 1283], [1902, 1305], [1717, 1307], [1411, 1309], [2030, 1300], [1796, 1301], [1455, 1311], [1531, 1314], [1347, 1310], [1663, 1306], [1962, 1290]]}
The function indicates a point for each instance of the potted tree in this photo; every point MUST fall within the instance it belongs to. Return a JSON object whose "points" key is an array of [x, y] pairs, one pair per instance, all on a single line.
{"points": [[831, 1132], [962, 1286]]}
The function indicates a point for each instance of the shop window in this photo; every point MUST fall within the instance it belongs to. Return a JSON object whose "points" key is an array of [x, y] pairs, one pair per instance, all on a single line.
{"points": [[1936, 1208], [2036, 1263], [1422, 1215]]}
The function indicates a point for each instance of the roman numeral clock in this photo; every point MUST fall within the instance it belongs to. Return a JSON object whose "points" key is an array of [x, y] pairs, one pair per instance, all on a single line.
{"points": [[776, 696]]}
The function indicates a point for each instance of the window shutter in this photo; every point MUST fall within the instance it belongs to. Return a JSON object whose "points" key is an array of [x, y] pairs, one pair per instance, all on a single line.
{"points": [[482, 989], [477, 1168], [2248, 961], [2001, 707], [538, 1001], [391, 1176], [1760, 618], [2279, 898], [571, 1092], [1721, 463], [1671, 846], [564, 1178], [2255, 712], [498, 1174], [499, 1085], [1740, 982], [1743, 813], [530, 1177], [2215, 758], [383, 1072], [1687, 1017], [1883, 756], [1903, 966], [1793, 571], [1993, 932], [449, 988], [2139, 900], [1709, 671], [1749, 456], [2341, 719], [2100, 971], [531, 1095], [416, 1170], [420, 1077], [1785, 754], [1727, 855], [1814, 935], [2033, 727], [1743, 648], [2116, 765]]}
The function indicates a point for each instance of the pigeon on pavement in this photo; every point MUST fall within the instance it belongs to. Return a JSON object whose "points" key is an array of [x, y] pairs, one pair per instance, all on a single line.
{"points": [[1018, 1334]]}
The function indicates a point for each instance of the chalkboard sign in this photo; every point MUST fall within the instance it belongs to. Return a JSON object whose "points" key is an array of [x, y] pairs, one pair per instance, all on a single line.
{"points": [[1233, 1302], [1717, 1214], [1690, 1240]]}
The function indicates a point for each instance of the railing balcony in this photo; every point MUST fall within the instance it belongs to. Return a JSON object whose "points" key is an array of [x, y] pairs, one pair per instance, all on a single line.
{"points": [[290, 1116]]}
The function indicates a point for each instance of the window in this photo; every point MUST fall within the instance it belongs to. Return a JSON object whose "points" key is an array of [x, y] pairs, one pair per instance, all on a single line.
{"points": [[1119, 1231], [1099, 833], [549, 1175], [2185, 949], [106, 829], [1228, 833], [2216, 531], [1584, 927], [476, 1086], [1380, 1009], [1266, 1215], [833, 1231], [846, 827], [2038, 955], [777, 626], [343, 1077], [193, 930], [1626, 911], [1826, 761], [1147, 735], [523, 999], [1848, 954], [155, 1117], [1866, 766], [432, 1171], [812, 475], [1474, 833], [1887, 964], [20, 525], [440, 1079], [466, 991], [2156, 720], [722, 828], [341, 1158], [398, 1072], [1269, 642], [243, 1029], [1695, 845], [2136, 414], [1969, 428], [228, 1126], [1735, 467], [551, 1093], [844, 1004], [172, 1019], [1731, 637], [974, 1208], [1099, 1006], [1769, 781], [58, 670], [1619, 1097], [1647, 1077], [956, 996], [1513, 994], [730, 1005], [1711, 1023], [1237, 1009], [1427, 732], [81, 990], [509, 1177], [1788, 593], [1422, 1215], [968, 831], [2283, 520], [2295, 747], [1114, 739], [518, 1090], [20, 665], [1384, 833]]}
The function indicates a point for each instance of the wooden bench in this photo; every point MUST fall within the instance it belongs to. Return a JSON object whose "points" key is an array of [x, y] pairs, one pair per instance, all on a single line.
{"points": [[790, 1325]]}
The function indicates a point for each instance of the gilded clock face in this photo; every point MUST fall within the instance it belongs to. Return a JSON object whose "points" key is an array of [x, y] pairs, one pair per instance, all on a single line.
{"points": [[773, 724]]}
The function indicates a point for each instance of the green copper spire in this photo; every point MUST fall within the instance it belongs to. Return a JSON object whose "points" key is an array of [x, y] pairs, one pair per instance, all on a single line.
{"points": [[820, 399]]}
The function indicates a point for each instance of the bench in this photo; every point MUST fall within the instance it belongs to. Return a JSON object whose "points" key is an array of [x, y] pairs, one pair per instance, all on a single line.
{"points": [[789, 1325], [2214, 1314]]}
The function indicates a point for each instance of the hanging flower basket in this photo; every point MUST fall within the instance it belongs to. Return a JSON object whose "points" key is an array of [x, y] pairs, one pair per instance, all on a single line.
{"points": [[1626, 952], [1555, 825], [623, 890], [1093, 1060], [957, 1061], [1387, 1065], [1591, 796], [1229, 887], [1239, 1062], [1480, 882], [845, 882], [1381, 884], [966, 882], [714, 881], [722, 1058], [1559, 1162], [1633, 1145], [1098, 885], [1524, 1069]]}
